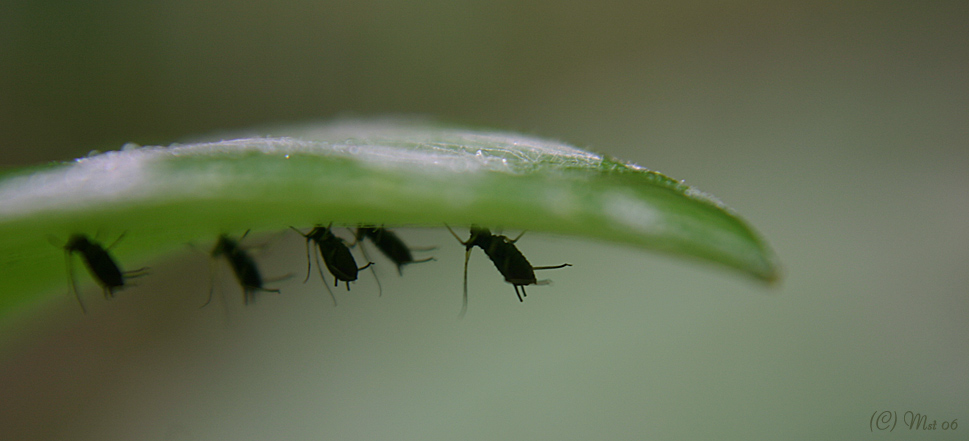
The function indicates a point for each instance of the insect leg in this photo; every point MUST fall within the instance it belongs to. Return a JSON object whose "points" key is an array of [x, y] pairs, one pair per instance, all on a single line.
{"points": [[551, 267], [134, 274], [380, 288], [368, 265], [399, 267]]}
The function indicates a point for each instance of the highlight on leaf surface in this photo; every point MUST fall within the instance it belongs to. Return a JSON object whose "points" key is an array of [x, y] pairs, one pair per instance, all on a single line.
{"points": [[392, 172]]}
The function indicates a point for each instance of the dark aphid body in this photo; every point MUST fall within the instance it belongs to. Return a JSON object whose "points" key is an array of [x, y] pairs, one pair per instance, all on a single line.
{"points": [[99, 263], [390, 245], [509, 261], [244, 267], [336, 256]]}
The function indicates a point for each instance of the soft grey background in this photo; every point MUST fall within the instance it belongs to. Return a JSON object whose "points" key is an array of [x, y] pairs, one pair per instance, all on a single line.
{"points": [[839, 130]]}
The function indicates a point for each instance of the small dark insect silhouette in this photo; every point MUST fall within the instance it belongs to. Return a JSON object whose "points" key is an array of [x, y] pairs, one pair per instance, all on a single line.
{"points": [[390, 245], [510, 262], [336, 256], [99, 263], [244, 267]]}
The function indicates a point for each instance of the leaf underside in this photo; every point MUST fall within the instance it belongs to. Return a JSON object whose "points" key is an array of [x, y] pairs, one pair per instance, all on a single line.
{"points": [[381, 172]]}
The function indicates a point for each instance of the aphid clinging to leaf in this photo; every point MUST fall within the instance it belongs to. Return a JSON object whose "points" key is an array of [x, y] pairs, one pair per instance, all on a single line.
{"points": [[510, 262]]}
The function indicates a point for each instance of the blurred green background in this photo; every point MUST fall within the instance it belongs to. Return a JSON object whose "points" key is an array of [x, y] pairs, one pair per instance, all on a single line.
{"points": [[839, 129]]}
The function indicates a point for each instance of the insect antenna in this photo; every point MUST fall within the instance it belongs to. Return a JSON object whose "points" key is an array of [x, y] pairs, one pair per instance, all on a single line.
{"points": [[456, 236], [319, 268], [467, 256], [115, 241], [464, 299], [212, 269], [73, 280], [309, 264]]}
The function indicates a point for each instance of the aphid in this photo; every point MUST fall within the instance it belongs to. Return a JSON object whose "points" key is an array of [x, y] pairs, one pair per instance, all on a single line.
{"points": [[390, 245], [336, 256], [99, 263], [510, 262], [242, 265]]}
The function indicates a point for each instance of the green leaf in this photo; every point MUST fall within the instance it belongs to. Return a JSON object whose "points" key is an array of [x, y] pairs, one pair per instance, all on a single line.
{"points": [[383, 172]]}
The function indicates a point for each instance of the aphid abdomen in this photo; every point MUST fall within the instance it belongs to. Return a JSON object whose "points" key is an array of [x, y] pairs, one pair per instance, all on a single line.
{"points": [[389, 245], [245, 269], [510, 262], [338, 259], [392, 246], [243, 266], [103, 267], [98, 262]]}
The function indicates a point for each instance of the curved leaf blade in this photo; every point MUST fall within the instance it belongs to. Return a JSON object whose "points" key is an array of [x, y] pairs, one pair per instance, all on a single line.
{"points": [[389, 172]]}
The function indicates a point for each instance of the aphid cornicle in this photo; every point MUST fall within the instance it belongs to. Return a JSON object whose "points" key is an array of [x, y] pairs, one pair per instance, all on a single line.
{"points": [[243, 266], [510, 262], [99, 263], [336, 256]]}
